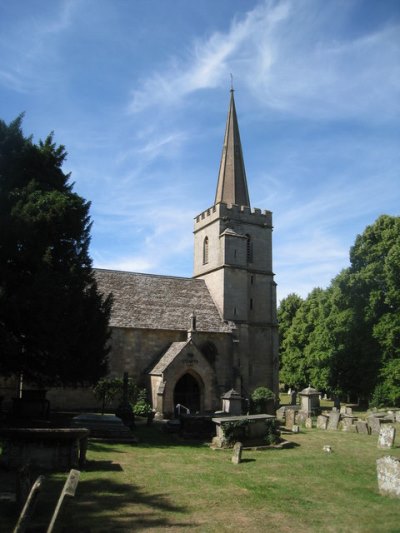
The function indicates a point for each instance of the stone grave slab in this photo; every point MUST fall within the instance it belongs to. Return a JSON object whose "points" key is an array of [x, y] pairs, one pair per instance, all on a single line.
{"points": [[237, 453], [301, 418], [322, 422], [375, 424], [362, 427], [386, 437], [348, 423], [388, 473], [309, 423], [333, 422], [290, 415], [105, 426]]}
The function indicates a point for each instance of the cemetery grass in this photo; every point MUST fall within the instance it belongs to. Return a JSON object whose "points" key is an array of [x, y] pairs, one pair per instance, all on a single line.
{"points": [[164, 483]]}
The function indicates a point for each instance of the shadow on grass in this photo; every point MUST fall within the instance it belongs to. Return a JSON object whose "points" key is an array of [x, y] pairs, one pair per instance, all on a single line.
{"points": [[102, 466], [99, 505], [105, 504], [154, 437], [97, 446]]}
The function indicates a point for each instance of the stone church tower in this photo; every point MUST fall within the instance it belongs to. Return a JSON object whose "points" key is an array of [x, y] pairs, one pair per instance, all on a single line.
{"points": [[190, 340], [233, 254]]}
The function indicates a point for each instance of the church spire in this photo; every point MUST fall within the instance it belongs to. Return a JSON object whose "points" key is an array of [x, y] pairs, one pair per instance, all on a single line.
{"points": [[232, 183]]}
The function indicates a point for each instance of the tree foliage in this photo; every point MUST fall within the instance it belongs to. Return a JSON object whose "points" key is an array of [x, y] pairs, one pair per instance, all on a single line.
{"points": [[53, 321], [346, 339]]}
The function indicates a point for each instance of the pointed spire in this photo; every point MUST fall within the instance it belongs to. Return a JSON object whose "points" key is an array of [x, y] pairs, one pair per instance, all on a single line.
{"points": [[232, 183]]}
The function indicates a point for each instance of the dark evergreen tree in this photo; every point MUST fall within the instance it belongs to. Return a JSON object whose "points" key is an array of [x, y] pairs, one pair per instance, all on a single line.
{"points": [[53, 322]]}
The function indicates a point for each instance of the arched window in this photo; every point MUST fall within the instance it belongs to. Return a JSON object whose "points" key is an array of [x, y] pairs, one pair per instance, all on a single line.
{"points": [[205, 251], [249, 249]]}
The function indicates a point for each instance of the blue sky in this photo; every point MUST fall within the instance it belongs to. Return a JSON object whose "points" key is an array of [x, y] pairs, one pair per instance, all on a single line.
{"points": [[138, 92]]}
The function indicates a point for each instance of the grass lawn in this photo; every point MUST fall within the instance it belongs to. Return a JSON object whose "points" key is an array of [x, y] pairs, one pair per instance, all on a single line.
{"points": [[166, 484]]}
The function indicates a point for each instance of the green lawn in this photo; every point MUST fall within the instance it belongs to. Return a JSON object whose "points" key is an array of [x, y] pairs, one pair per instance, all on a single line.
{"points": [[166, 484]]}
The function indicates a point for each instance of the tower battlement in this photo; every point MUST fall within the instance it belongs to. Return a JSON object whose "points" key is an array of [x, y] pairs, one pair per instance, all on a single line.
{"points": [[232, 211]]}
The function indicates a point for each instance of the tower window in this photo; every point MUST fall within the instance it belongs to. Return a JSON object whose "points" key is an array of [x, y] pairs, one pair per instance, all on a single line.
{"points": [[249, 249], [205, 251], [251, 280], [251, 303]]}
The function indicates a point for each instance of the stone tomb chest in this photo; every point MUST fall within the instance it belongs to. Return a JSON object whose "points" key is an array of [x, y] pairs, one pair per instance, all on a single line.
{"points": [[248, 429], [57, 449], [309, 401]]}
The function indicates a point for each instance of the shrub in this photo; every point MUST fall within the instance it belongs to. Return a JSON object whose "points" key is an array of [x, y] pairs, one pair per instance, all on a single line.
{"points": [[259, 399], [142, 407]]}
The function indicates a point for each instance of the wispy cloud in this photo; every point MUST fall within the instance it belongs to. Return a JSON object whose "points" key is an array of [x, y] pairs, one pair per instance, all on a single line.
{"points": [[283, 54]]}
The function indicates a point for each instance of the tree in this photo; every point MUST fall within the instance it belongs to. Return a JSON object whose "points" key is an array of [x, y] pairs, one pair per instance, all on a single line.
{"points": [[53, 321], [375, 260], [287, 310], [296, 357], [346, 339]]}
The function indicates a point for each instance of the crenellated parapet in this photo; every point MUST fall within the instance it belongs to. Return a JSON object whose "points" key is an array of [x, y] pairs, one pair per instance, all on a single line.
{"points": [[234, 212]]}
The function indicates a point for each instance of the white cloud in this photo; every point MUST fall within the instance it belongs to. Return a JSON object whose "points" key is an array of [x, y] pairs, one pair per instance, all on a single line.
{"points": [[283, 54]]}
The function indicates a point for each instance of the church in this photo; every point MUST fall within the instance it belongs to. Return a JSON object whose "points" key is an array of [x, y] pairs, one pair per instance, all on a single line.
{"points": [[190, 340]]}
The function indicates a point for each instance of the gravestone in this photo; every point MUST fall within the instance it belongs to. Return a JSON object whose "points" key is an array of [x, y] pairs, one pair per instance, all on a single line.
{"points": [[322, 422], [289, 418], [292, 397], [362, 427], [348, 423], [237, 453], [386, 436], [388, 473], [308, 423], [333, 423], [295, 428], [343, 410], [349, 411], [374, 424], [301, 418]]}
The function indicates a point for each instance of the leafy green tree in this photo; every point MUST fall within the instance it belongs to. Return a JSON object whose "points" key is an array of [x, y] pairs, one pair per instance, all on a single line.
{"points": [[287, 310], [296, 357], [53, 321], [346, 339], [375, 260]]}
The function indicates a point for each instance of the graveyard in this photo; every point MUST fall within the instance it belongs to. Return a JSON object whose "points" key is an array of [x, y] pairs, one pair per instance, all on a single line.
{"points": [[321, 480]]}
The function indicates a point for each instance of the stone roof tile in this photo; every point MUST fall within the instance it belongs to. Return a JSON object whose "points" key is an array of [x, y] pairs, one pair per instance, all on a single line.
{"points": [[149, 301]]}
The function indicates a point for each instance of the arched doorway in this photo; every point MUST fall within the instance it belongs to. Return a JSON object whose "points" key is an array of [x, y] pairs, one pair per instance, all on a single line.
{"points": [[187, 392]]}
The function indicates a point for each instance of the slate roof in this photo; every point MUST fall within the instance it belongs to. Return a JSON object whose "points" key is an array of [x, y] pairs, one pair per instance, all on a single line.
{"points": [[168, 357], [149, 301]]}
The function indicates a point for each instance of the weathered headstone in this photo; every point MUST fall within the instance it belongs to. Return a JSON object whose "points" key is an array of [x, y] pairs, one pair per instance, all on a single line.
{"points": [[388, 473], [349, 411], [322, 422], [69, 489], [348, 423], [237, 453], [292, 397], [375, 424], [386, 436], [301, 418], [289, 418], [362, 427], [29, 507], [343, 410], [295, 428], [333, 423], [308, 423]]}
